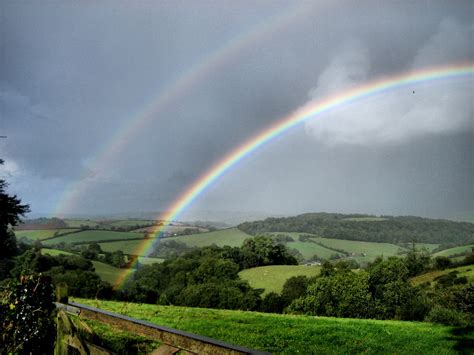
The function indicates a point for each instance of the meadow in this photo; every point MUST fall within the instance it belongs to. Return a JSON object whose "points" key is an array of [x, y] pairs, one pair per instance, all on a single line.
{"points": [[453, 251], [292, 334], [89, 236], [272, 278], [232, 237], [41, 234]]}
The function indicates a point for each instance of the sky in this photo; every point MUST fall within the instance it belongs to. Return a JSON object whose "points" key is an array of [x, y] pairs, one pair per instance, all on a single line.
{"points": [[81, 84]]}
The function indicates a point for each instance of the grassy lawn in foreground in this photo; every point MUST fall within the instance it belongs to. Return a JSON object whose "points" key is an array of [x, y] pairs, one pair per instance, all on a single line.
{"points": [[272, 278], [291, 334]]}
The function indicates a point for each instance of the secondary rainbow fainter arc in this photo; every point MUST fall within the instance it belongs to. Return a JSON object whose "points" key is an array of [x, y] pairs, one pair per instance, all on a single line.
{"points": [[304, 113], [172, 93]]}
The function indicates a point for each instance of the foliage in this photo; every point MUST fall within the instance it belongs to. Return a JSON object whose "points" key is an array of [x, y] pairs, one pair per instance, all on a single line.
{"points": [[361, 227], [76, 272], [11, 210], [27, 316]]}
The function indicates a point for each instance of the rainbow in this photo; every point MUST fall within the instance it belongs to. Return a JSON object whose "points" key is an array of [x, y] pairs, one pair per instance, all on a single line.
{"points": [[170, 94], [301, 115]]}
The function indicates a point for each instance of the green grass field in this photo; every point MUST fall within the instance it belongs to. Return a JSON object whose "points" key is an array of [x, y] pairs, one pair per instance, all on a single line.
{"points": [[93, 236], [41, 234], [371, 249], [77, 223], [308, 249], [454, 251], [290, 334], [272, 278], [467, 271], [127, 246], [130, 223], [232, 237]]}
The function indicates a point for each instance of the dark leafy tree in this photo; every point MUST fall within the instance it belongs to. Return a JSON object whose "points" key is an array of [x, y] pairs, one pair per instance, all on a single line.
{"points": [[11, 209]]}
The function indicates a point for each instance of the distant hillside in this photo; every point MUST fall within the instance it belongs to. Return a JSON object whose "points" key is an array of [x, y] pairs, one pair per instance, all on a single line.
{"points": [[384, 229]]}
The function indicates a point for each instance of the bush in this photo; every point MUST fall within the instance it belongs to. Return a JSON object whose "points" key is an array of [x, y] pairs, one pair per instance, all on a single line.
{"points": [[27, 317], [446, 316]]}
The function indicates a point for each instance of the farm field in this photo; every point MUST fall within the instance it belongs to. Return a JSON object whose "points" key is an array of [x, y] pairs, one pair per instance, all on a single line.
{"points": [[308, 249], [371, 249], [454, 251], [127, 246], [169, 229], [272, 278], [93, 236], [41, 234], [427, 246], [78, 223], [467, 271], [290, 334], [232, 237]]}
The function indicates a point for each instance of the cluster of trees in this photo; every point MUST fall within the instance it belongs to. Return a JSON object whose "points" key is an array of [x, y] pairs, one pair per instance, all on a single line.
{"points": [[382, 291], [95, 252], [207, 277], [76, 272], [361, 227]]}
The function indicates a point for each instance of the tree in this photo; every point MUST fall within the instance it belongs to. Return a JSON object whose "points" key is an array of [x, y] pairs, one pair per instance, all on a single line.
{"points": [[10, 211]]}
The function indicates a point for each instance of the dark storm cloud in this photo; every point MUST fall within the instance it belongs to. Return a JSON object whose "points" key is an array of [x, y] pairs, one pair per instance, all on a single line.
{"points": [[73, 73]]}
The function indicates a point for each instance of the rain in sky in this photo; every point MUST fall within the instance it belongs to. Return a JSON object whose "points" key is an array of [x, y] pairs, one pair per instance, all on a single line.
{"points": [[118, 107]]}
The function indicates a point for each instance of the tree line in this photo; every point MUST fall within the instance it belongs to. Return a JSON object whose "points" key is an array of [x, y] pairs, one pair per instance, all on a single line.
{"points": [[386, 229]]}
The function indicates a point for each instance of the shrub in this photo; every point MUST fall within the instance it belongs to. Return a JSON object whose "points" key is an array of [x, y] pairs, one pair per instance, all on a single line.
{"points": [[446, 316], [27, 317]]}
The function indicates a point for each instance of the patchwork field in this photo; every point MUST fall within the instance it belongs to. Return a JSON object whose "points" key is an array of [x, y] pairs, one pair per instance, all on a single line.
{"points": [[40, 234], [232, 237], [290, 334], [127, 246], [272, 278], [308, 250], [93, 236], [454, 251]]}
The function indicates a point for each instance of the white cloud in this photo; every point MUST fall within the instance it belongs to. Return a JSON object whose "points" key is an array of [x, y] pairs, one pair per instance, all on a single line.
{"points": [[399, 115]]}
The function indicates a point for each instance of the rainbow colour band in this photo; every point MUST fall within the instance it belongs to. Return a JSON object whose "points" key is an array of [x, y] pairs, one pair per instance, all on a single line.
{"points": [[171, 94], [301, 115]]}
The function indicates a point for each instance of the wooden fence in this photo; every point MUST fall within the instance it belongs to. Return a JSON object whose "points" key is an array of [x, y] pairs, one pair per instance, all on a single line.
{"points": [[172, 340]]}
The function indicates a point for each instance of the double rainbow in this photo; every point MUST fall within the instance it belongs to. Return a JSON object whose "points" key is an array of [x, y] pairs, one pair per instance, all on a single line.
{"points": [[301, 115]]}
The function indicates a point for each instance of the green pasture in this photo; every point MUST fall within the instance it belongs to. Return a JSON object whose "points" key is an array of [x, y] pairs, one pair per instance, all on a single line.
{"points": [[127, 246], [272, 278], [130, 223], [427, 246], [232, 237], [308, 249], [467, 271], [55, 252], [454, 251], [372, 249], [291, 334], [93, 236], [78, 223], [41, 234]]}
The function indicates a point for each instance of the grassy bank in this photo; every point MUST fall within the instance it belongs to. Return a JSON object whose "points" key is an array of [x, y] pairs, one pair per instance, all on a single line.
{"points": [[300, 334]]}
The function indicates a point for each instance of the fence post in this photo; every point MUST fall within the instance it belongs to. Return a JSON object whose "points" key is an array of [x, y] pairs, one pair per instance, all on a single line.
{"points": [[62, 293]]}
